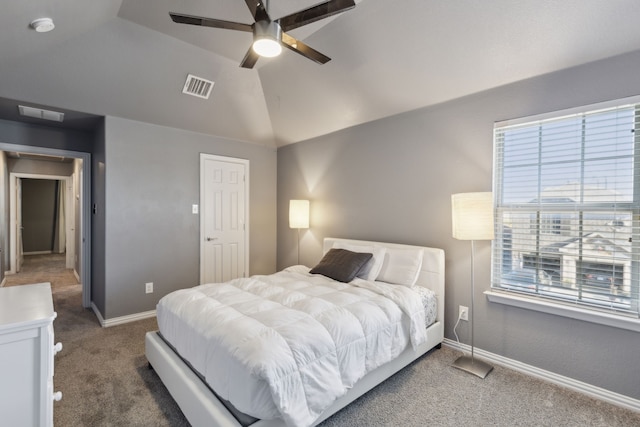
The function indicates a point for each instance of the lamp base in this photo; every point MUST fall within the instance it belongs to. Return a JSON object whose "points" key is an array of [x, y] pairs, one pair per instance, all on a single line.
{"points": [[473, 366]]}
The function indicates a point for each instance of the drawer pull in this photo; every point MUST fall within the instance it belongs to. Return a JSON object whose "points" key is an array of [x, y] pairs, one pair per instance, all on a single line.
{"points": [[57, 348], [57, 396]]}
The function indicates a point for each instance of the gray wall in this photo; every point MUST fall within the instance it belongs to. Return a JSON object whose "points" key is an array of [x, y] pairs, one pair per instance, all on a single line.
{"points": [[391, 180], [144, 180], [151, 179], [45, 136]]}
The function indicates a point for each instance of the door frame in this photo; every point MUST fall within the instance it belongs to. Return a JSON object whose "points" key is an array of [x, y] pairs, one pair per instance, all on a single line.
{"points": [[84, 251], [14, 203], [15, 224], [245, 164]]}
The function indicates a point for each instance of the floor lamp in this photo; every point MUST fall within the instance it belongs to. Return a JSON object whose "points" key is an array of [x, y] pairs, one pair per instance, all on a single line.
{"points": [[299, 217], [472, 219]]}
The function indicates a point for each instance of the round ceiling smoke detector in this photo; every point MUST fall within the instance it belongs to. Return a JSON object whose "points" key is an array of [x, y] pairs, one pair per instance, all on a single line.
{"points": [[42, 25]]}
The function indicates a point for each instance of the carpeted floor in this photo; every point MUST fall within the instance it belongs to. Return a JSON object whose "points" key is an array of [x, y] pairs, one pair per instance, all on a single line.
{"points": [[103, 374], [43, 268], [105, 381]]}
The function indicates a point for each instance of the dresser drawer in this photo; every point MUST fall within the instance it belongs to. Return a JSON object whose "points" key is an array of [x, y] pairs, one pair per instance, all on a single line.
{"points": [[26, 355]]}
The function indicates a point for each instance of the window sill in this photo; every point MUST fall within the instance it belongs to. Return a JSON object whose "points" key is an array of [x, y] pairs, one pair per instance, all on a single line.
{"points": [[578, 313]]}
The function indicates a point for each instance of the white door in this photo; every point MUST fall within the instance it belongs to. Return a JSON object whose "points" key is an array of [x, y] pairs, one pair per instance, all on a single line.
{"points": [[223, 218]]}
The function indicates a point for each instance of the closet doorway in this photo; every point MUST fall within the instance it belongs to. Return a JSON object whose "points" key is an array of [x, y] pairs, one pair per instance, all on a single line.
{"points": [[64, 242], [43, 217]]}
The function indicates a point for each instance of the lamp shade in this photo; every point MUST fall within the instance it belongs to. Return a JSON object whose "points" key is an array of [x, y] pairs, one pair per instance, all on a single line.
{"points": [[299, 213], [472, 216]]}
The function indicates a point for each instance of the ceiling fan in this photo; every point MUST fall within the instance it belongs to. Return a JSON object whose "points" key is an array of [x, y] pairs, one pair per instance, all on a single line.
{"points": [[269, 35]]}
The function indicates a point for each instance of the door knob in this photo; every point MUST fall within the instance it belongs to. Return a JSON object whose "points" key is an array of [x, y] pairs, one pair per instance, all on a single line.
{"points": [[211, 239]]}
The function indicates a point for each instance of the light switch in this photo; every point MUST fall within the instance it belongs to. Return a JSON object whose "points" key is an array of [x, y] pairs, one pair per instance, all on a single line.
{"points": [[194, 209]]}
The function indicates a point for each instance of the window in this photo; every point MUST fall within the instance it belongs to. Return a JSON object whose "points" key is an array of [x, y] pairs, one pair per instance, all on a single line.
{"points": [[552, 224], [567, 195]]}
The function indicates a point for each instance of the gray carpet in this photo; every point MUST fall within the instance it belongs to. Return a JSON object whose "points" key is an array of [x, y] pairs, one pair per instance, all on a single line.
{"points": [[43, 268], [105, 381], [103, 374]]}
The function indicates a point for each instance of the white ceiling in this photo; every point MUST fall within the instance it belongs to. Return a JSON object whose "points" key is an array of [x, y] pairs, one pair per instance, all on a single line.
{"points": [[126, 58]]}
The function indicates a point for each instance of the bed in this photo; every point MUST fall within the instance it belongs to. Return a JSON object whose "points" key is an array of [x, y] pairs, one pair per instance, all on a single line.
{"points": [[190, 376]]}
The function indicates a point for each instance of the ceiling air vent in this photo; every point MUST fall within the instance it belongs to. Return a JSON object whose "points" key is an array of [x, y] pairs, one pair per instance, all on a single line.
{"points": [[197, 86], [40, 113]]}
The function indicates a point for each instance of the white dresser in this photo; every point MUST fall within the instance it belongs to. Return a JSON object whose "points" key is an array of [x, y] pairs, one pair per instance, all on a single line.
{"points": [[26, 355]]}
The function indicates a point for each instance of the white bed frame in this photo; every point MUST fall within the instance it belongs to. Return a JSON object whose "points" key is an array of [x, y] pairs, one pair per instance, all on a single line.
{"points": [[202, 408]]}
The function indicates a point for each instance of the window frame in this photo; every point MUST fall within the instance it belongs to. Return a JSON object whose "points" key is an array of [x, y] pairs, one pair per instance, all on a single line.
{"points": [[546, 224]]}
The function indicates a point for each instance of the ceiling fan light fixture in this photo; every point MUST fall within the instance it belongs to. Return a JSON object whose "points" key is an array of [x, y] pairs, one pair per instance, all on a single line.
{"points": [[267, 37], [267, 47]]}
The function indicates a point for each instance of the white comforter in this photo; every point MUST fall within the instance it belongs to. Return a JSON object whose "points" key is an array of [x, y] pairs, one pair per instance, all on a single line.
{"points": [[293, 340]]}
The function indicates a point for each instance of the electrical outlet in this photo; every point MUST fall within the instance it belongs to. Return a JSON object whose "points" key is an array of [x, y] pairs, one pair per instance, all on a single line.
{"points": [[148, 287], [463, 313]]}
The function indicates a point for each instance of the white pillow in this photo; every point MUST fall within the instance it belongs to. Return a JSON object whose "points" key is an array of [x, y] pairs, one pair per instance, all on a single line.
{"points": [[370, 270], [401, 266]]}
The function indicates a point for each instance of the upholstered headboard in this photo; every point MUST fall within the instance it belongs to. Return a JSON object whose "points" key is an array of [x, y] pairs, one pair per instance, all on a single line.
{"points": [[431, 274]]}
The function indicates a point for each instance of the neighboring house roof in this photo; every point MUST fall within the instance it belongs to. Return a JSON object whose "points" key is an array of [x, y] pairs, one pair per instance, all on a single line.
{"points": [[592, 244]]}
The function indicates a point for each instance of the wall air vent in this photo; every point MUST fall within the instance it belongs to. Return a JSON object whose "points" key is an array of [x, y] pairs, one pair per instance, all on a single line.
{"points": [[197, 86], [39, 113]]}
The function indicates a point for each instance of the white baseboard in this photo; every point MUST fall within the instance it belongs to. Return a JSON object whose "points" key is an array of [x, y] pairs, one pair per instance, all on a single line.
{"points": [[122, 319], [38, 253], [560, 380]]}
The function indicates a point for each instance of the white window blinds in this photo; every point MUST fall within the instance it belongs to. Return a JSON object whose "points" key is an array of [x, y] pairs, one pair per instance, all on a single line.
{"points": [[567, 200]]}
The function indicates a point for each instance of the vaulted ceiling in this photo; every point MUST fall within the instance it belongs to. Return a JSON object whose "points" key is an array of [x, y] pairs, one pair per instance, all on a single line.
{"points": [[126, 58]]}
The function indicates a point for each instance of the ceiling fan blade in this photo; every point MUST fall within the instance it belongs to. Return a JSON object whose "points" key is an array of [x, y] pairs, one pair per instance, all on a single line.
{"points": [[249, 59], [257, 9], [210, 22], [315, 13], [304, 50]]}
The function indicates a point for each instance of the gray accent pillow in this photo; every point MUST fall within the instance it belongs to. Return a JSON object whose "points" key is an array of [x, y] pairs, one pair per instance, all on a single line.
{"points": [[341, 265]]}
